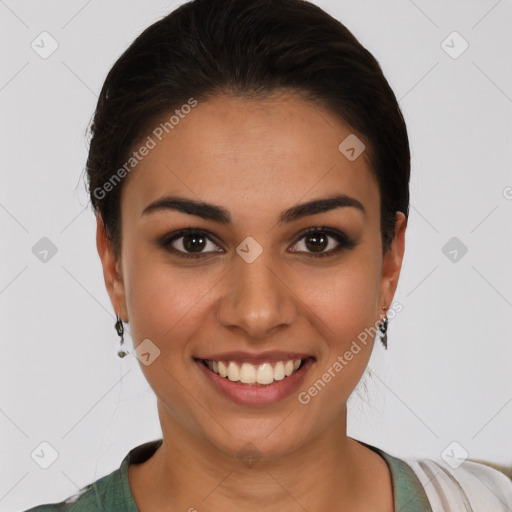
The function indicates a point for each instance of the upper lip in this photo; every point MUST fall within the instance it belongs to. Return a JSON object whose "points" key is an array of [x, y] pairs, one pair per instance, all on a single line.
{"points": [[262, 357]]}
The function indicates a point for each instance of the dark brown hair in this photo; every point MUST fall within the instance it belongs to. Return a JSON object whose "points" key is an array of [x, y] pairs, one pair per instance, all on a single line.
{"points": [[251, 48]]}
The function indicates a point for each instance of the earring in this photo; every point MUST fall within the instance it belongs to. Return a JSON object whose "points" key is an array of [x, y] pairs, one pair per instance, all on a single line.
{"points": [[120, 331], [383, 329]]}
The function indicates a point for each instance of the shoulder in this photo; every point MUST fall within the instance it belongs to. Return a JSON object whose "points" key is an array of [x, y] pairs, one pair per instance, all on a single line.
{"points": [[111, 492], [506, 470], [107, 492], [477, 485], [83, 501]]}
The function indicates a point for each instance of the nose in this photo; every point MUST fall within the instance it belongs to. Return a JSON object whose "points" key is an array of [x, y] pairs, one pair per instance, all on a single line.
{"points": [[257, 299]]}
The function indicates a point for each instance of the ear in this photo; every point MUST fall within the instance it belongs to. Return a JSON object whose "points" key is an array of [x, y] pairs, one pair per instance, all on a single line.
{"points": [[392, 263], [112, 273]]}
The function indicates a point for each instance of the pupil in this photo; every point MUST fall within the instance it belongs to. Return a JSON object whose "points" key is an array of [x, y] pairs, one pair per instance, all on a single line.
{"points": [[318, 245]]}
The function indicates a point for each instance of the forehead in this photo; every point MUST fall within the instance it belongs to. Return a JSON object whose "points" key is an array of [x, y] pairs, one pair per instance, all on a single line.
{"points": [[260, 154]]}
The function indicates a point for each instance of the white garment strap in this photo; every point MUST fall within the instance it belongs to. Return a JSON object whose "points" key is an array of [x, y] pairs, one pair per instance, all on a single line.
{"points": [[471, 487]]}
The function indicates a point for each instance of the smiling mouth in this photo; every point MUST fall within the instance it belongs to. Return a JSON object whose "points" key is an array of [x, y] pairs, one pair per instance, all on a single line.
{"points": [[262, 374]]}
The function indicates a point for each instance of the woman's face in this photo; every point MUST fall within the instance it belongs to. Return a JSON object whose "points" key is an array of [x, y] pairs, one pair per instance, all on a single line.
{"points": [[252, 287]]}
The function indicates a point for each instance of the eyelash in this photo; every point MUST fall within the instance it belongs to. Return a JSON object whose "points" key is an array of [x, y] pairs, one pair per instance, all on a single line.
{"points": [[343, 240]]}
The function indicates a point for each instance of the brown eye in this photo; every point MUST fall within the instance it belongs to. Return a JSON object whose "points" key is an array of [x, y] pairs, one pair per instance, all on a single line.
{"points": [[317, 240], [189, 243], [194, 243]]}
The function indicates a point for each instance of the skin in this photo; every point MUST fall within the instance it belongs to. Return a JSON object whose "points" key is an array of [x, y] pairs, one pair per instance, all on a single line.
{"points": [[255, 158]]}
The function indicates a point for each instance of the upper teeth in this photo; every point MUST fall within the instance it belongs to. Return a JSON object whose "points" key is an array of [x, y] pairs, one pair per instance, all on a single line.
{"points": [[251, 374]]}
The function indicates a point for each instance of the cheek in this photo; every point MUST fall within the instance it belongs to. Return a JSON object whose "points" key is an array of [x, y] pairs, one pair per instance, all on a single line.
{"points": [[345, 297], [344, 303], [344, 312], [166, 306], [162, 301]]}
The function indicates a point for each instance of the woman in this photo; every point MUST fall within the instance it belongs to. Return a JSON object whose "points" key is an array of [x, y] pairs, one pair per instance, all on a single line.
{"points": [[249, 169]]}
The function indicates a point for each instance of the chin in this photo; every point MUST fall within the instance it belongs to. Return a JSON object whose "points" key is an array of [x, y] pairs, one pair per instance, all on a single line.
{"points": [[252, 448]]}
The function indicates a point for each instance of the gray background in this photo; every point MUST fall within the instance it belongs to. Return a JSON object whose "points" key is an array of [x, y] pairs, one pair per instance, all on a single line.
{"points": [[446, 375]]}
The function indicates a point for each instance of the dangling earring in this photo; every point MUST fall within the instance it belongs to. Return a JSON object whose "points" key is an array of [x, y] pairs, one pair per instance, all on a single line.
{"points": [[120, 331], [383, 329]]}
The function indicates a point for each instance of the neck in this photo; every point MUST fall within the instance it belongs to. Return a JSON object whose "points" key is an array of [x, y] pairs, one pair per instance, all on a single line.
{"points": [[187, 473]]}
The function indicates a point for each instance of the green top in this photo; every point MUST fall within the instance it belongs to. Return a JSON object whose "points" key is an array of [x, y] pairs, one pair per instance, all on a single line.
{"points": [[112, 493]]}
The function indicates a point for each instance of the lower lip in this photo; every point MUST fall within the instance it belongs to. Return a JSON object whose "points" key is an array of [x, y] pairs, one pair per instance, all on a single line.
{"points": [[247, 394]]}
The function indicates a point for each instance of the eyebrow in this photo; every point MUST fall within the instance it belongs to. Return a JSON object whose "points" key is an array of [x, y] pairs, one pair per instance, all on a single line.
{"points": [[221, 215]]}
